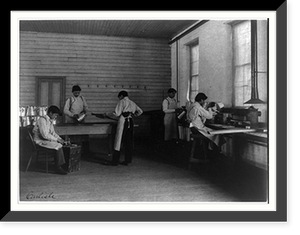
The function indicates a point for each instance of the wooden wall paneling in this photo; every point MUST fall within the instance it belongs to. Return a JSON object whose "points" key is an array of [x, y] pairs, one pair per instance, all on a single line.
{"points": [[101, 65]]}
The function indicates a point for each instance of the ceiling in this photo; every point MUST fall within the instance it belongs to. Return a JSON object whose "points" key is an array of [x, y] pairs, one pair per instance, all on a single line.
{"points": [[162, 29]]}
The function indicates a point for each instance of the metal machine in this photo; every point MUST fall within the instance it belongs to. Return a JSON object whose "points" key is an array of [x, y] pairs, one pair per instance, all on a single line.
{"points": [[238, 116]]}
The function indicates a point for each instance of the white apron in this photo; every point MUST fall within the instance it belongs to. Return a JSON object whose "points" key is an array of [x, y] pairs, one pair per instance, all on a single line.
{"points": [[74, 105], [123, 106], [119, 133], [170, 122]]}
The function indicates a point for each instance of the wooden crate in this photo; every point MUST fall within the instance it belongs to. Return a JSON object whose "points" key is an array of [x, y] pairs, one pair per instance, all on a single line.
{"points": [[72, 157]]}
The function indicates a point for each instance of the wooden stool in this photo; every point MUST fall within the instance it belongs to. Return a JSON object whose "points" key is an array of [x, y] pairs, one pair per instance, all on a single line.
{"points": [[202, 140]]}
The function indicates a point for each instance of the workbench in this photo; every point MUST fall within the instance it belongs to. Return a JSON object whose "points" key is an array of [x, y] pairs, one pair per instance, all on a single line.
{"points": [[244, 144], [102, 127], [228, 129]]}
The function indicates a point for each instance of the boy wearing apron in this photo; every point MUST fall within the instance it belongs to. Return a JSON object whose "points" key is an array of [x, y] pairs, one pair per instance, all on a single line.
{"points": [[125, 111], [76, 106], [169, 106]]}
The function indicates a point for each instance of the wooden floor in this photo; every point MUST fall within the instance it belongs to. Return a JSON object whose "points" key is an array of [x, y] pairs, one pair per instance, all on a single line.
{"points": [[158, 174]]}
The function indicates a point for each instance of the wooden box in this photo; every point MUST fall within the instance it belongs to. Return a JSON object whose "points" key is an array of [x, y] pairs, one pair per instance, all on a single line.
{"points": [[72, 157]]}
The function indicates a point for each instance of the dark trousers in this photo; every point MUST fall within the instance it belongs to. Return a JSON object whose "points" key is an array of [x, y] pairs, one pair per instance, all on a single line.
{"points": [[127, 142]]}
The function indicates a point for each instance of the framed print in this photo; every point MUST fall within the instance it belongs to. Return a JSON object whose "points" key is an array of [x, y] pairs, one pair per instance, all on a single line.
{"points": [[145, 53]]}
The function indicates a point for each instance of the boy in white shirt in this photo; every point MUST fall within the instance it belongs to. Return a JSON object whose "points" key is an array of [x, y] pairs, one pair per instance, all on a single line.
{"points": [[45, 136], [197, 114], [75, 106], [124, 112], [169, 106]]}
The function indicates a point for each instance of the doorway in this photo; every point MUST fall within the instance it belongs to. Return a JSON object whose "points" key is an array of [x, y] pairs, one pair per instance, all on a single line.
{"points": [[51, 91]]}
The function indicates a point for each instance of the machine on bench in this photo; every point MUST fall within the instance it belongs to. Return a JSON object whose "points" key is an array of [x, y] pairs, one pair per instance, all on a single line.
{"points": [[246, 117]]}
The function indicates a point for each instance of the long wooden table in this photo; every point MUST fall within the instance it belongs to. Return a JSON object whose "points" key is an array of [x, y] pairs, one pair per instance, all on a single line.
{"points": [[103, 127]]}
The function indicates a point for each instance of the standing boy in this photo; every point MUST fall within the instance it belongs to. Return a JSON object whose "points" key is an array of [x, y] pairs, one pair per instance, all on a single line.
{"points": [[169, 106], [76, 110], [125, 111], [75, 106]]}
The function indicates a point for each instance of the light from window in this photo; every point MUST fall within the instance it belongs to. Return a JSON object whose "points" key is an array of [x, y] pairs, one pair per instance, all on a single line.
{"points": [[194, 71], [242, 62], [241, 37]]}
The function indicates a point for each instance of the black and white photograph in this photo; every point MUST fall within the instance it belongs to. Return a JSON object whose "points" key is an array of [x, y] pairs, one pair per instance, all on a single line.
{"points": [[145, 113]]}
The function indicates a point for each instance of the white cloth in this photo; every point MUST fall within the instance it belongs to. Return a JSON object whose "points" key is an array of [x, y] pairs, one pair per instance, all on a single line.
{"points": [[44, 134], [74, 105], [124, 105], [169, 106]]}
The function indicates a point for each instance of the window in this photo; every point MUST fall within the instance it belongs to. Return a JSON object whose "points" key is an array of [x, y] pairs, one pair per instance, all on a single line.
{"points": [[242, 84], [194, 71], [242, 62], [51, 91]]}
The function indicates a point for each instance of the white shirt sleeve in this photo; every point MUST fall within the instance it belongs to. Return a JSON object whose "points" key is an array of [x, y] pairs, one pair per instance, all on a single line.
{"points": [[207, 114], [119, 108], [138, 111]]}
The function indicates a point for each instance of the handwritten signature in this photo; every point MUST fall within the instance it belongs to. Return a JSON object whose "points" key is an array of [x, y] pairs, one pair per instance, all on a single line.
{"points": [[42, 195]]}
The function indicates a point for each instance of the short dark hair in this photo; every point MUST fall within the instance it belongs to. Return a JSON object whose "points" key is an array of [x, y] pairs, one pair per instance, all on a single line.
{"points": [[53, 109], [172, 90], [200, 96], [123, 93], [76, 88]]}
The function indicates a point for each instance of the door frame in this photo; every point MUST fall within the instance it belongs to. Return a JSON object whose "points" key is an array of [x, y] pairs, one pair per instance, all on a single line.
{"points": [[49, 79]]}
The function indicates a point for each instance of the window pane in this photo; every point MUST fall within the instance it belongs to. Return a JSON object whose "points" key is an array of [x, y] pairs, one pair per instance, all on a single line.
{"points": [[262, 45], [262, 82], [194, 68], [194, 71], [44, 94], [242, 84], [242, 43], [56, 94], [242, 64], [194, 53]]}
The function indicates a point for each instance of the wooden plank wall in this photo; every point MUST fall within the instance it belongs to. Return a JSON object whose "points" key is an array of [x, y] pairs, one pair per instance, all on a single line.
{"points": [[100, 65]]}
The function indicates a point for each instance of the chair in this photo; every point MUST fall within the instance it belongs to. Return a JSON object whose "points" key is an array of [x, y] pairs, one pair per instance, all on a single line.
{"points": [[202, 141], [38, 151]]}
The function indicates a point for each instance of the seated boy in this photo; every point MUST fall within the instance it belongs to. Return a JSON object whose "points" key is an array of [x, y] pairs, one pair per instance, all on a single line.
{"points": [[45, 136]]}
